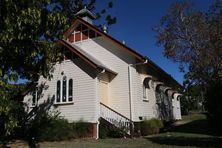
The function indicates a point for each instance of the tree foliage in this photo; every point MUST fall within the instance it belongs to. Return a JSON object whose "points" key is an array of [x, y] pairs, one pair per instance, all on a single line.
{"points": [[28, 30], [192, 99], [73, 6], [28, 34], [193, 38], [10, 110]]}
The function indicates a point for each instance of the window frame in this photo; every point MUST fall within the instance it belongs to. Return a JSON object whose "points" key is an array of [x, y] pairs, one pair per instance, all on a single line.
{"points": [[64, 89], [70, 90], [145, 91], [58, 91], [34, 101], [64, 83], [79, 36]]}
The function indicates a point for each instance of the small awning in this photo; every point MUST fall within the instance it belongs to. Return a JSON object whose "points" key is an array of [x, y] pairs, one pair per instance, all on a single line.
{"points": [[161, 88], [157, 83], [176, 95], [146, 81], [171, 93], [166, 89]]}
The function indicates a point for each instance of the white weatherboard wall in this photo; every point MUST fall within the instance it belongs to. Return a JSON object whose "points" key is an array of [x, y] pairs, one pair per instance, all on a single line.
{"points": [[178, 110], [174, 102], [176, 106], [117, 60], [143, 108], [84, 92]]}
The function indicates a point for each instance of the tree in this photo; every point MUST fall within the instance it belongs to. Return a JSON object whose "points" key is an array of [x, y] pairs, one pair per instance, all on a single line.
{"points": [[192, 98], [193, 38], [10, 111], [28, 34], [73, 6]]}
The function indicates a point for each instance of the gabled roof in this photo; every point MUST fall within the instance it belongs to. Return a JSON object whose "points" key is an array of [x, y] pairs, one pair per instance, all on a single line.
{"points": [[129, 50], [86, 56], [79, 20]]}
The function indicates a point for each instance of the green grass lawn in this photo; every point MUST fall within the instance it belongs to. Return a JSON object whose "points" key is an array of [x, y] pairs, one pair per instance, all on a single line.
{"points": [[101, 143], [192, 131]]}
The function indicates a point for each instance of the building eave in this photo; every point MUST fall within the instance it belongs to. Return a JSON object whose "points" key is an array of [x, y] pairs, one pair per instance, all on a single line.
{"points": [[129, 50], [85, 58]]}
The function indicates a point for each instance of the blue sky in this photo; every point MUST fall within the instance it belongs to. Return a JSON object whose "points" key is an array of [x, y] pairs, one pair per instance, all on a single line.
{"points": [[135, 20]]}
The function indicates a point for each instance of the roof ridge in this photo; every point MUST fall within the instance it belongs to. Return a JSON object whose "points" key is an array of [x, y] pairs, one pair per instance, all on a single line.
{"points": [[130, 50]]}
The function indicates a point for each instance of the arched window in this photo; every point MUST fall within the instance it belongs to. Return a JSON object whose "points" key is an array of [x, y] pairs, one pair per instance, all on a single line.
{"points": [[64, 89], [70, 89], [34, 98], [158, 95], [144, 91], [58, 87], [145, 88]]}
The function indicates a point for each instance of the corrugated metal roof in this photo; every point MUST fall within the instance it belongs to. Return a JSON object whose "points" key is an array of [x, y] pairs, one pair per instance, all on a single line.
{"points": [[91, 58], [135, 53]]}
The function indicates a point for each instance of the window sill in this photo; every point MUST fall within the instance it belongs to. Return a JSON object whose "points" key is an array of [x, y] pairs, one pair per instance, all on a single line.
{"points": [[145, 100], [63, 103], [32, 106]]}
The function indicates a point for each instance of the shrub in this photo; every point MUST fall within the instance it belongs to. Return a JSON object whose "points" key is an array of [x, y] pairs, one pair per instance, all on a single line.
{"points": [[82, 129], [43, 124], [108, 130], [103, 130], [49, 128], [57, 129], [213, 104], [151, 126], [116, 132]]}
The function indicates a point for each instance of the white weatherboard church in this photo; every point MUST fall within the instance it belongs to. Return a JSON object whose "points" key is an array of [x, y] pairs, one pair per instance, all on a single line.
{"points": [[101, 77]]}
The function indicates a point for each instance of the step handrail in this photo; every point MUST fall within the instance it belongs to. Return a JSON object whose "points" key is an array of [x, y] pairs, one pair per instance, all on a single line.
{"points": [[115, 112]]}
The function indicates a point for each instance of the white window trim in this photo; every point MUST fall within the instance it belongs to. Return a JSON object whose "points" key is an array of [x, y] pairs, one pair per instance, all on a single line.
{"points": [[146, 96], [81, 36], [67, 89], [144, 92], [67, 92], [36, 99]]}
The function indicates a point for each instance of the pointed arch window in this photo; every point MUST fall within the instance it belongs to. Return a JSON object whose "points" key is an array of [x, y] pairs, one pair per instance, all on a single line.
{"points": [[70, 89], [64, 89], [146, 87], [58, 90], [144, 91], [34, 98]]}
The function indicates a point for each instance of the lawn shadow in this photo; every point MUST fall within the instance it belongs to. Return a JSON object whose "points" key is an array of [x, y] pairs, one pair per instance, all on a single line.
{"points": [[188, 141], [195, 133], [200, 126]]}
